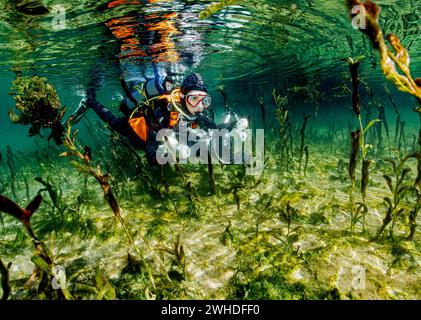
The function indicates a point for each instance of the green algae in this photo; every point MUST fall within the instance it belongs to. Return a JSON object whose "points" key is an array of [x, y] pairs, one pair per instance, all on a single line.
{"points": [[280, 265]]}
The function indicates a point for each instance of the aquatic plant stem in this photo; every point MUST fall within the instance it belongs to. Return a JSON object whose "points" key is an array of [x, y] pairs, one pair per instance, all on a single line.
{"points": [[353, 158], [167, 188], [362, 145], [364, 170], [302, 144], [5, 282], [282, 115], [211, 174], [86, 167], [306, 160], [136, 248], [178, 252], [417, 207], [391, 64], [358, 142], [262, 110], [43, 258], [352, 206], [12, 168]]}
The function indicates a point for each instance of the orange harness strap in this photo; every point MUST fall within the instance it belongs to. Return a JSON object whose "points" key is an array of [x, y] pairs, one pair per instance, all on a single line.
{"points": [[140, 127], [174, 116]]}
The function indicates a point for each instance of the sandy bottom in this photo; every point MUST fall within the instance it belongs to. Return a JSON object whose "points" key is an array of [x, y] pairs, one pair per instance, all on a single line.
{"points": [[229, 253]]}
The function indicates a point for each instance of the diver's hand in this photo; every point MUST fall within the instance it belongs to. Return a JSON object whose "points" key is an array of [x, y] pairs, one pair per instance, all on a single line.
{"points": [[80, 112], [91, 93], [233, 121], [229, 121]]}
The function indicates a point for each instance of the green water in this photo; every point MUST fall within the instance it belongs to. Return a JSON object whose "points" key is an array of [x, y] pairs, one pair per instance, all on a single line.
{"points": [[284, 234]]}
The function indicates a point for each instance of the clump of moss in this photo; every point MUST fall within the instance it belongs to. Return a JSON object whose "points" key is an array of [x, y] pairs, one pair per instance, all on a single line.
{"points": [[93, 285], [318, 218], [133, 280], [37, 103], [133, 283], [330, 294], [227, 236], [269, 286], [157, 229], [403, 258]]}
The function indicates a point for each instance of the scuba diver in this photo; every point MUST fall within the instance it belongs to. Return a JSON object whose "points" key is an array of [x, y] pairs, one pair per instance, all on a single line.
{"points": [[152, 101], [154, 105]]}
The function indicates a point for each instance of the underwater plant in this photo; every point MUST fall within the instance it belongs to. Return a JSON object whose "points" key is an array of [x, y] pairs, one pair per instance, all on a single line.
{"points": [[2, 183], [358, 142], [309, 92], [157, 191], [5, 281], [262, 110], [352, 165], [10, 161], [365, 177], [282, 115], [395, 66], [306, 152], [397, 205], [237, 197], [102, 288], [227, 236], [31, 7], [413, 216], [84, 165], [23, 215], [263, 270], [417, 184], [38, 105], [64, 216], [180, 257], [398, 115], [211, 174], [383, 123], [43, 257], [303, 136], [223, 92], [288, 214], [192, 207], [402, 140], [354, 65], [240, 183], [55, 193]]}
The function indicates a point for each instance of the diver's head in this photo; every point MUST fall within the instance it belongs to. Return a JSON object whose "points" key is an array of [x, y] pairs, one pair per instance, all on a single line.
{"points": [[194, 94], [196, 101]]}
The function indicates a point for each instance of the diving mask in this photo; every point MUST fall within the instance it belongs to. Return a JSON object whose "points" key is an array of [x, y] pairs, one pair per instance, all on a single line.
{"points": [[198, 100]]}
